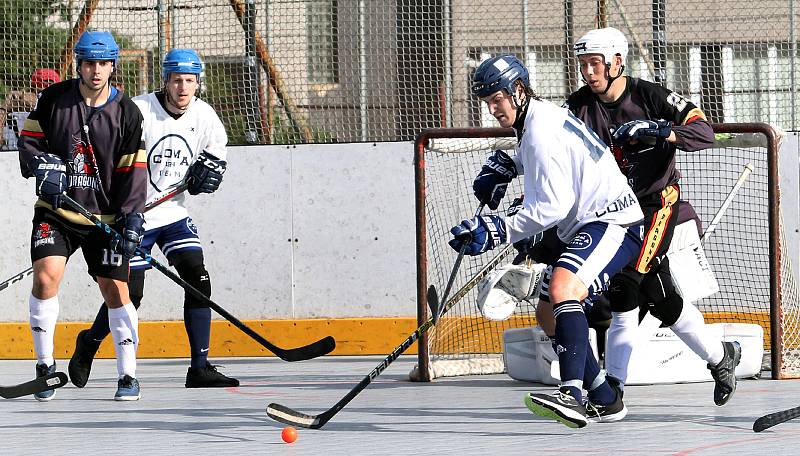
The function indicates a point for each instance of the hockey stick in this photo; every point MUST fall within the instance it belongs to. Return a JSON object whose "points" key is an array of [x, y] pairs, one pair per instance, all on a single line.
{"points": [[176, 190], [748, 168], [318, 348], [772, 419], [287, 415], [433, 296], [37, 385]]}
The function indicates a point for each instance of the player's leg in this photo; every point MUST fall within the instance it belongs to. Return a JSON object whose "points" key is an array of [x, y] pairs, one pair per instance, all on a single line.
{"points": [[50, 248], [686, 321], [597, 252], [183, 249], [88, 341], [624, 301], [111, 272]]}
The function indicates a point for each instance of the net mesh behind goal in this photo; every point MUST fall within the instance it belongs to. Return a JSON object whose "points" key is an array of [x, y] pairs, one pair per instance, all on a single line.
{"points": [[746, 252]]}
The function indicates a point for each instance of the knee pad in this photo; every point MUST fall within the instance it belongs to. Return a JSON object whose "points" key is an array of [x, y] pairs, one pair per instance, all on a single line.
{"points": [[658, 289], [192, 270], [136, 286], [623, 291], [668, 310]]}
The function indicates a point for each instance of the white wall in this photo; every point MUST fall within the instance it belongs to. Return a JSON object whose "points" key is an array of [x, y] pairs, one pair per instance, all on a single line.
{"points": [[348, 210]]}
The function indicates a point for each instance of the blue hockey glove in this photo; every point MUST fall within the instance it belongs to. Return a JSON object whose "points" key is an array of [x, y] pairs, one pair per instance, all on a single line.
{"points": [[635, 129], [51, 178], [491, 183], [480, 234], [131, 229], [205, 174]]}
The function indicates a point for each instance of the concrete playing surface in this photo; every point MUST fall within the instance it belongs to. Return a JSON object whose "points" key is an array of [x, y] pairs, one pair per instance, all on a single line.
{"points": [[463, 416]]}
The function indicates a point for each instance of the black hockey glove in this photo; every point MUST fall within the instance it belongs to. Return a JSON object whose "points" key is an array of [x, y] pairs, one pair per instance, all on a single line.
{"points": [[205, 174], [636, 129], [131, 229], [491, 183], [481, 234], [51, 178]]}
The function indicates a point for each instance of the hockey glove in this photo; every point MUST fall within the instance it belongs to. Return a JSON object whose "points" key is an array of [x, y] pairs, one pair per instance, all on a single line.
{"points": [[131, 227], [480, 234], [205, 174], [635, 129], [51, 178], [491, 183]]}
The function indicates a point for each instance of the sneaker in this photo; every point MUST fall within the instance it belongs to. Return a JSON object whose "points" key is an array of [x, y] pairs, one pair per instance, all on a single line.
{"points": [[81, 362], [43, 370], [609, 413], [560, 406], [208, 377], [724, 373], [127, 389]]}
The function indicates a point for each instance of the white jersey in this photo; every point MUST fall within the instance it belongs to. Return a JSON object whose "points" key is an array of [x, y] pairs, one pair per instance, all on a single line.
{"points": [[172, 146], [571, 177]]}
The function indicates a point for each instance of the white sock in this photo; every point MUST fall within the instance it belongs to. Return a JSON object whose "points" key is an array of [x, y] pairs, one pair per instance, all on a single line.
{"points": [[621, 335], [124, 324], [692, 330], [43, 315]]}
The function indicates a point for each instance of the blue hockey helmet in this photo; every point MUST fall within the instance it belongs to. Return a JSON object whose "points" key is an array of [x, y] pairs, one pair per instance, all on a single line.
{"points": [[96, 46], [499, 73], [181, 61]]}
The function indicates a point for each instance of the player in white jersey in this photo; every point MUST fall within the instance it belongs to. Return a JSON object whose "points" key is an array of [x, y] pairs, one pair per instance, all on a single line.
{"points": [[571, 182], [185, 142]]}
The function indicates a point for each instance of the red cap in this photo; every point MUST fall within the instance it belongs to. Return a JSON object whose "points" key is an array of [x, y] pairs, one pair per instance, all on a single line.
{"points": [[43, 77]]}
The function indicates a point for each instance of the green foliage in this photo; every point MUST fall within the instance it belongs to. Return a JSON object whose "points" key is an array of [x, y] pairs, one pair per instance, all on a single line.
{"points": [[28, 40]]}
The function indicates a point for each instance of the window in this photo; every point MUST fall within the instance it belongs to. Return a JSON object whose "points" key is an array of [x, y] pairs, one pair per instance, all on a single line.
{"points": [[323, 41]]}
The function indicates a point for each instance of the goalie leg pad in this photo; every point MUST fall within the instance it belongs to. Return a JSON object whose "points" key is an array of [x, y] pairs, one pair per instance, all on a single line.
{"points": [[191, 268]]}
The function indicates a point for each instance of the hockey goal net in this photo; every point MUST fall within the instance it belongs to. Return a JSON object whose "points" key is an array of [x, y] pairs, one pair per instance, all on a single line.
{"points": [[747, 252]]}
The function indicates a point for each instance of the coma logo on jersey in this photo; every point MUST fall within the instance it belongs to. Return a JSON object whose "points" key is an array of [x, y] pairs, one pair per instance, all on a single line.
{"points": [[191, 226], [580, 242], [168, 160]]}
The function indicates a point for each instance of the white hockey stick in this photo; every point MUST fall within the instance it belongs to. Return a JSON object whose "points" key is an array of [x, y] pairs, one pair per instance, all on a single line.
{"points": [[748, 168]]}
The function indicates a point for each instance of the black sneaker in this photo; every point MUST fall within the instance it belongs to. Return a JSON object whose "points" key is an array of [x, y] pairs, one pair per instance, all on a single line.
{"points": [[560, 406], [608, 413], [208, 377], [80, 365], [43, 370], [724, 373]]}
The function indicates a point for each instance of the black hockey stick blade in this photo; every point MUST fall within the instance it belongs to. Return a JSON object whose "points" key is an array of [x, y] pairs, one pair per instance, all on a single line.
{"points": [[772, 419], [433, 302], [51, 381], [286, 415]]}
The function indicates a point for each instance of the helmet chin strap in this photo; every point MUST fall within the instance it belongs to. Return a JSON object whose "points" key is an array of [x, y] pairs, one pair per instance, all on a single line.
{"points": [[610, 79], [521, 107]]}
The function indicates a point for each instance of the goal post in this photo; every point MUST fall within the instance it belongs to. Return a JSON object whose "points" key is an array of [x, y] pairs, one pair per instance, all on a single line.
{"points": [[748, 252]]}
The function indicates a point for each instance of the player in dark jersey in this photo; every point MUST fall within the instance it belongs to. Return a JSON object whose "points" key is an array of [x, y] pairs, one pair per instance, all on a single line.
{"points": [[645, 123], [85, 138]]}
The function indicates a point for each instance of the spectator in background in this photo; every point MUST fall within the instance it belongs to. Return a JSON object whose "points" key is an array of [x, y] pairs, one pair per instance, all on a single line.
{"points": [[19, 103]]}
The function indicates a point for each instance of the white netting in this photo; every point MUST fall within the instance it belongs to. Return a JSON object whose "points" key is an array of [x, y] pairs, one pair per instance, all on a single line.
{"points": [[738, 252]]}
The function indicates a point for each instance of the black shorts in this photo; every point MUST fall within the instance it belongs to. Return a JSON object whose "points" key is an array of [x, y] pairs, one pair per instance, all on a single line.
{"points": [[660, 219], [54, 236]]}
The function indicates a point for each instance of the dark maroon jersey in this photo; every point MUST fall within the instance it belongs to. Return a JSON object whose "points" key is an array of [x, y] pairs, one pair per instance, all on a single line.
{"points": [[649, 167]]}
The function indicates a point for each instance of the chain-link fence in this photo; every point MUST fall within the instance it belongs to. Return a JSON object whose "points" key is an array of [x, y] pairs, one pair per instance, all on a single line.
{"points": [[295, 71]]}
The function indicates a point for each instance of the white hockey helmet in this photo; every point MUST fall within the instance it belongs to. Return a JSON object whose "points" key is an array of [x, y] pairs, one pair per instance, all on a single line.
{"points": [[605, 41]]}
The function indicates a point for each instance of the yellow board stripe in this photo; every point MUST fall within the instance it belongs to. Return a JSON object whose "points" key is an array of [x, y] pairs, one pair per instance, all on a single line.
{"points": [[354, 336]]}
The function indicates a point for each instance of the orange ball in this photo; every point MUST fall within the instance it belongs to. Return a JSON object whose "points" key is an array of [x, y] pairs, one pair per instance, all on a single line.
{"points": [[289, 434]]}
